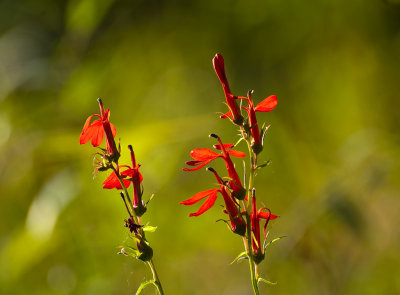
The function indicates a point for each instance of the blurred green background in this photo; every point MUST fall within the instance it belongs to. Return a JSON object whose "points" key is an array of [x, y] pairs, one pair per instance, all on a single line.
{"points": [[334, 142]]}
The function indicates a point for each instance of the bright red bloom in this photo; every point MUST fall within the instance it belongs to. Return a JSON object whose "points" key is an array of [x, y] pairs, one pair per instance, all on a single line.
{"points": [[95, 131], [266, 105], [204, 156], [219, 67], [128, 175], [137, 202], [238, 224], [255, 227]]}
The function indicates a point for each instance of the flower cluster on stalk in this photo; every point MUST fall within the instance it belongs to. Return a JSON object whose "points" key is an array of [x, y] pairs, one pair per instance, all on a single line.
{"points": [[239, 199], [121, 176]]}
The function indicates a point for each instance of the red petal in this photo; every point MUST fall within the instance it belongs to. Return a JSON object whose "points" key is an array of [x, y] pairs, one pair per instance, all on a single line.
{"points": [[265, 215], [199, 196], [237, 154], [203, 154], [97, 133], [226, 146], [206, 205], [267, 104], [113, 182], [93, 132], [201, 164], [193, 163], [84, 138], [227, 115]]}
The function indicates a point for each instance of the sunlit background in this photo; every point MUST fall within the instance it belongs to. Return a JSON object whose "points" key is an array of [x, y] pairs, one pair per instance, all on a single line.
{"points": [[333, 142]]}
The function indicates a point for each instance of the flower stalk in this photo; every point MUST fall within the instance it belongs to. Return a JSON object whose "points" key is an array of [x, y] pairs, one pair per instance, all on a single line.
{"points": [[239, 200]]}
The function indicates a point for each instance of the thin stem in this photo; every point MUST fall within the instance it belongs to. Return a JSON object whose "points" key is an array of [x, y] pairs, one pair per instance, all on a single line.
{"points": [[248, 245], [135, 218], [155, 277]]}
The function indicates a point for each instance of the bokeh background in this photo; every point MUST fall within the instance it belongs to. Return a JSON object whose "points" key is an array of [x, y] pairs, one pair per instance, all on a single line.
{"points": [[333, 143]]}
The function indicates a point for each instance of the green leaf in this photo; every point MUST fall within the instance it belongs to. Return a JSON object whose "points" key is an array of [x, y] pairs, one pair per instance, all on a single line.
{"points": [[265, 281], [144, 285], [273, 241], [149, 229], [264, 165], [237, 142], [241, 256], [129, 251]]}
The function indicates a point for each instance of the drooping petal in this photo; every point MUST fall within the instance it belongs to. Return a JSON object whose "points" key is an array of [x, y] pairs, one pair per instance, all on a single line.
{"points": [[204, 154], [226, 115], [200, 165], [226, 146], [265, 215], [97, 132], [132, 173], [267, 104], [199, 196], [85, 136], [113, 182], [206, 205], [237, 154]]}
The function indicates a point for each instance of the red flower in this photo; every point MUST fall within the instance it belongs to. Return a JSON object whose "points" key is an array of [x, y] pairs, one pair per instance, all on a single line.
{"points": [[95, 131], [128, 175], [219, 67], [238, 225], [255, 227], [137, 202], [266, 105], [211, 196], [204, 156]]}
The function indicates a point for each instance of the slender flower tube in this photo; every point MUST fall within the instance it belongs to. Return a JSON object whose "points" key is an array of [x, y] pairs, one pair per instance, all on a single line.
{"points": [[238, 225], [255, 227], [235, 184], [219, 67], [96, 130], [137, 201], [266, 105]]}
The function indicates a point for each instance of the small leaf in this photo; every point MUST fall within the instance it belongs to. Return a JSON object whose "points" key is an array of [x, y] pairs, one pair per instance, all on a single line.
{"points": [[237, 142], [241, 256], [266, 281], [144, 285], [273, 241], [148, 201], [129, 251], [149, 229], [267, 163]]}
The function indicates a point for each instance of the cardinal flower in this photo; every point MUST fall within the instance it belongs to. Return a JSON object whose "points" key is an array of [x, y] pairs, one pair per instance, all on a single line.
{"points": [[266, 105], [138, 204], [204, 156], [255, 217], [219, 67], [95, 131], [128, 175], [238, 225]]}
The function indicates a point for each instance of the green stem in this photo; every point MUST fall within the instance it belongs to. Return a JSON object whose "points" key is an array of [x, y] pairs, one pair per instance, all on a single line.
{"points": [[157, 282], [253, 269], [135, 218]]}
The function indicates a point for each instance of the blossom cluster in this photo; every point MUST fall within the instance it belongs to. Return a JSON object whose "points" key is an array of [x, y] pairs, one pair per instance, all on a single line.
{"points": [[239, 200], [121, 176]]}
